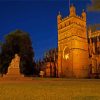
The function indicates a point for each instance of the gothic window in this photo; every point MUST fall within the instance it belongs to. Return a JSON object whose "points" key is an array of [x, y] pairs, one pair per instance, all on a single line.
{"points": [[60, 26], [98, 50], [67, 23], [64, 24]]}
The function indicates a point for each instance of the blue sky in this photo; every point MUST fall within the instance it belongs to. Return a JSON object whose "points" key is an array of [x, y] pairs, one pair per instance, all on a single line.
{"points": [[38, 18]]}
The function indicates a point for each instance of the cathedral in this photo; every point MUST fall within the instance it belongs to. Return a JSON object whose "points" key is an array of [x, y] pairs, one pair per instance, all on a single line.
{"points": [[78, 47], [94, 52]]}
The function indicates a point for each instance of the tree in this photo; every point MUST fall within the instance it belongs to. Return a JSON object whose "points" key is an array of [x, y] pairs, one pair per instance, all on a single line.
{"points": [[17, 42]]}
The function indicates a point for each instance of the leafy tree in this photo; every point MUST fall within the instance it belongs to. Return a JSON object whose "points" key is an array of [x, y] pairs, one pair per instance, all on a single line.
{"points": [[17, 42]]}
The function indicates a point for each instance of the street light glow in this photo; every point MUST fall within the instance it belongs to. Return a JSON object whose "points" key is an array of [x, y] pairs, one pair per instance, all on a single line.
{"points": [[66, 56]]}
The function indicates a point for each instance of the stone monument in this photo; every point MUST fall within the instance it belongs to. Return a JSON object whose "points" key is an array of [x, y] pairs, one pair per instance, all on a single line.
{"points": [[13, 69], [13, 73]]}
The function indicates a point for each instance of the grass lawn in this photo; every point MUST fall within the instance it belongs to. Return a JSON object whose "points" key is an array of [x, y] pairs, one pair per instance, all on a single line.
{"points": [[50, 89]]}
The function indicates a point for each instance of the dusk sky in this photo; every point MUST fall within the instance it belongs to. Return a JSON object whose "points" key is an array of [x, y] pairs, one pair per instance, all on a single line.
{"points": [[39, 19]]}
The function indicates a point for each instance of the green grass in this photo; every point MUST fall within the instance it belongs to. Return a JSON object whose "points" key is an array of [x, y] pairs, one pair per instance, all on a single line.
{"points": [[50, 89]]}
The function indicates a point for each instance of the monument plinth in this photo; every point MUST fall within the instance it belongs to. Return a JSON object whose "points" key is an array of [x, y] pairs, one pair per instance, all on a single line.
{"points": [[13, 73]]}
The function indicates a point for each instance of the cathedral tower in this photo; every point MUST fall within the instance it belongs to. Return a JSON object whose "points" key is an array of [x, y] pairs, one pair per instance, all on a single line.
{"points": [[72, 45]]}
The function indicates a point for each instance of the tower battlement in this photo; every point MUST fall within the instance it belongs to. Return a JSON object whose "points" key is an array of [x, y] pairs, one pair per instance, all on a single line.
{"points": [[71, 19]]}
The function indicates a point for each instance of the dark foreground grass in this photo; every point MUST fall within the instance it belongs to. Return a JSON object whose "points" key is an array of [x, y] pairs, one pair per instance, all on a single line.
{"points": [[50, 89]]}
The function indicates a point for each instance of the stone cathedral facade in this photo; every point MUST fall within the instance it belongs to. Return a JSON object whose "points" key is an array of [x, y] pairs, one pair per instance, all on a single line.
{"points": [[76, 51], [94, 52]]}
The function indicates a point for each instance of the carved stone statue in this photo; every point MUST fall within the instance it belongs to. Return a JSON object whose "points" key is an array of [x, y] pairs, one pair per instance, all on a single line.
{"points": [[13, 69], [15, 62]]}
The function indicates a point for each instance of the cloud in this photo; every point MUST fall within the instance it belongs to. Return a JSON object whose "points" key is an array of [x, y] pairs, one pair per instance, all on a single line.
{"points": [[95, 6]]}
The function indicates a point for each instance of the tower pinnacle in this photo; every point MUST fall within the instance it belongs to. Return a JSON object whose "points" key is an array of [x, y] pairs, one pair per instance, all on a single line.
{"points": [[84, 15], [59, 17], [72, 10]]}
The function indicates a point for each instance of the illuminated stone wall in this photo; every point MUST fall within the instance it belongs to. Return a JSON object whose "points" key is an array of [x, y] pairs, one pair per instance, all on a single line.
{"points": [[94, 52], [72, 45], [50, 69]]}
